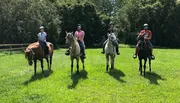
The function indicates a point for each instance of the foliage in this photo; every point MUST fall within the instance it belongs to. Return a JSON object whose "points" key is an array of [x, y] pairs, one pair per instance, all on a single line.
{"points": [[161, 15]]}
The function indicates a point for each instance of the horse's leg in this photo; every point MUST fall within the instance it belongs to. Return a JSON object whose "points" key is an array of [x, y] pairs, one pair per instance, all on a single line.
{"points": [[42, 65], [150, 64], [35, 61], [48, 63], [82, 60], [112, 62], [145, 60], [77, 65], [72, 60], [140, 66], [107, 62]]}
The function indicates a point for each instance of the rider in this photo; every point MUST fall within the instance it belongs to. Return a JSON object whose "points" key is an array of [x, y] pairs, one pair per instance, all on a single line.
{"points": [[111, 30], [42, 40], [79, 34], [147, 36]]}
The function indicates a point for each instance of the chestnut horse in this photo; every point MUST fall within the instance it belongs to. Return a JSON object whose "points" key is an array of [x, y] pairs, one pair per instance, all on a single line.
{"points": [[36, 52]]}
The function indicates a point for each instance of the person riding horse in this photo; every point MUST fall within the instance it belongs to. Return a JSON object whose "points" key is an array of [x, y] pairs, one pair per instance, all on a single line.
{"points": [[42, 40], [147, 37], [111, 30], [79, 34]]}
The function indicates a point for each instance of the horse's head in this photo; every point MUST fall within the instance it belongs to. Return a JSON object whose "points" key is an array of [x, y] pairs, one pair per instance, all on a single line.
{"points": [[142, 41], [112, 38], [69, 37], [29, 55]]}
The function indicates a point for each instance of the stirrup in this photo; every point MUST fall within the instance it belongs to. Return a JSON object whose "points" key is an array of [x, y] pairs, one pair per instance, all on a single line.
{"points": [[67, 53], [134, 56], [152, 57]]}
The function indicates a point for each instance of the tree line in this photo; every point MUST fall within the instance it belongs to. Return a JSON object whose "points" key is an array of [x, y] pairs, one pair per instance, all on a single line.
{"points": [[20, 20]]}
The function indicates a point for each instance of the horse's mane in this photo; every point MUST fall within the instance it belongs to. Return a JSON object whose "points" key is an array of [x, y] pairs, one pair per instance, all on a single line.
{"points": [[31, 46]]}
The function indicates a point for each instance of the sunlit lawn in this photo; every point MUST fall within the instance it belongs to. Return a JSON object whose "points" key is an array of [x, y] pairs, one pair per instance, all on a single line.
{"points": [[93, 85]]}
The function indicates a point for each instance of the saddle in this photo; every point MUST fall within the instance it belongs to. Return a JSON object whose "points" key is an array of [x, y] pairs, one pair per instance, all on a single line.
{"points": [[45, 47]]}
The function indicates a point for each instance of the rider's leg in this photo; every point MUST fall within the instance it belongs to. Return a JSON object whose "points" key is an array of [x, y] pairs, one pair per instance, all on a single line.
{"points": [[82, 47], [68, 50], [117, 48], [104, 44], [151, 50], [46, 48], [136, 51]]}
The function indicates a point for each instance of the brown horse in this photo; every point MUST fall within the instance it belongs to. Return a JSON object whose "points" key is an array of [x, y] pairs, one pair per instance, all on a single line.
{"points": [[36, 52]]}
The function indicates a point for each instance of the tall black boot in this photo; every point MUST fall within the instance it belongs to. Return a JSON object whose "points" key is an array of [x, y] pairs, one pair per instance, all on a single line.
{"points": [[67, 52], [117, 51], [103, 51]]}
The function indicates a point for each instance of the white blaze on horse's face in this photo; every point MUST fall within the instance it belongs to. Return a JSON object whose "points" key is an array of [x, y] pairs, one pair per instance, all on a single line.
{"points": [[112, 37]]}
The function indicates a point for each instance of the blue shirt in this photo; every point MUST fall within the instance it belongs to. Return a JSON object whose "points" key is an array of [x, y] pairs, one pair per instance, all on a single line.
{"points": [[42, 36]]}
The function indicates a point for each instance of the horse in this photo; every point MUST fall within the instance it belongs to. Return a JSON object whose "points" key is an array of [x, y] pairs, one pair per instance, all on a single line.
{"points": [[143, 54], [110, 50], [75, 51], [35, 52]]}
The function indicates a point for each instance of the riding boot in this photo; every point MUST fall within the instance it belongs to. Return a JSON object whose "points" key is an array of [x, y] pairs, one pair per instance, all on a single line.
{"points": [[104, 44], [136, 52], [117, 51], [46, 49], [152, 56], [103, 51], [83, 53], [67, 52]]}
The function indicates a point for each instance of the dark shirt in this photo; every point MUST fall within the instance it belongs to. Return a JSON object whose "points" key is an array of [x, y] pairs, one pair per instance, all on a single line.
{"points": [[110, 30]]}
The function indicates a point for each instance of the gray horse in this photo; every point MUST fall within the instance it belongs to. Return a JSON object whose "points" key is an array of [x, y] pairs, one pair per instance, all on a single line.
{"points": [[75, 51], [110, 50]]}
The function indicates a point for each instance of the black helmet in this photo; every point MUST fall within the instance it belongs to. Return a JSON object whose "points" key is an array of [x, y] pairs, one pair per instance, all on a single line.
{"points": [[79, 25]]}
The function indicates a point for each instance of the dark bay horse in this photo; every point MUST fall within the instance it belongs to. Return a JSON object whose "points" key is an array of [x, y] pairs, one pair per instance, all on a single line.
{"points": [[75, 51], [143, 54], [36, 52]]}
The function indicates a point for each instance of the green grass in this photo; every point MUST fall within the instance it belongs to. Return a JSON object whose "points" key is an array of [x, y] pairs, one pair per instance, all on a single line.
{"points": [[93, 85]]}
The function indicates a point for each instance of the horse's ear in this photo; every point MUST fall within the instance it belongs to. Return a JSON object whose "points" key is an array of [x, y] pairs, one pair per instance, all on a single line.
{"points": [[66, 32], [24, 51], [72, 33]]}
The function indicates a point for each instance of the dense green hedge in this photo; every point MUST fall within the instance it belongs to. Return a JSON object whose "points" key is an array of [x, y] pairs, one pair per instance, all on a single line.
{"points": [[20, 20], [161, 15]]}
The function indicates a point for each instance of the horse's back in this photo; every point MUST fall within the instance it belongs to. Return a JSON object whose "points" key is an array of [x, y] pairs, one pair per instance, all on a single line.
{"points": [[51, 48]]}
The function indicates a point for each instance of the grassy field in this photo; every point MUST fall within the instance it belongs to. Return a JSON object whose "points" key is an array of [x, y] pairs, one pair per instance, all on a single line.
{"points": [[123, 85]]}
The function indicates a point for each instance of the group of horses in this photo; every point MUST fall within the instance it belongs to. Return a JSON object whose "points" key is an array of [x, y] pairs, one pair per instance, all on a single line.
{"points": [[35, 52]]}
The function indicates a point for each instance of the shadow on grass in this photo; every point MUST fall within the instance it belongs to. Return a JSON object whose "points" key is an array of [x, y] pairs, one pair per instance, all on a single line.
{"points": [[153, 77], [117, 74], [38, 76], [76, 77]]}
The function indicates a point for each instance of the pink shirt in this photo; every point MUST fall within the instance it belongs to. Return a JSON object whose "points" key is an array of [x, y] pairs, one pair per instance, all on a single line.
{"points": [[80, 35]]}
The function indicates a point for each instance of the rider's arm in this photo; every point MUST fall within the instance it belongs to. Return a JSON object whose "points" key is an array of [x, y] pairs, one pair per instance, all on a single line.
{"points": [[76, 35], [150, 35], [83, 34]]}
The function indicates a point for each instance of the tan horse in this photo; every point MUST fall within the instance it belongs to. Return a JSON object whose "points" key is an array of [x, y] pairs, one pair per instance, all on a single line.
{"points": [[36, 52], [75, 52]]}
